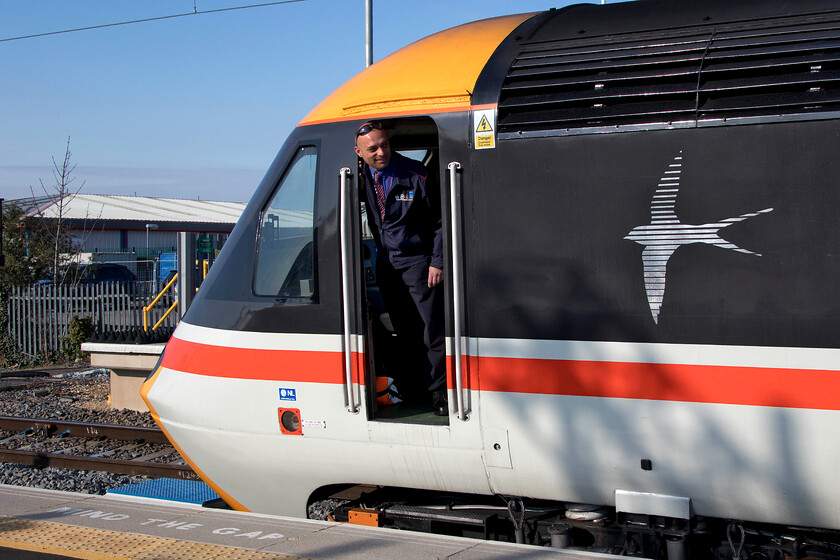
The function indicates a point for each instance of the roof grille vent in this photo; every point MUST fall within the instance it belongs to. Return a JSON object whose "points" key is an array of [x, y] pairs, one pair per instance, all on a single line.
{"points": [[677, 78]]}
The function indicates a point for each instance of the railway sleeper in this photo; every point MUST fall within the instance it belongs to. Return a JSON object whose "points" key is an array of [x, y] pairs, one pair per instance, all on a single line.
{"points": [[114, 451]]}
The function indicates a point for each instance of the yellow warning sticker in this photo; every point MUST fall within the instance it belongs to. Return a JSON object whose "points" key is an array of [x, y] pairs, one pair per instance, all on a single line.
{"points": [[484, 125], [484, 141]]}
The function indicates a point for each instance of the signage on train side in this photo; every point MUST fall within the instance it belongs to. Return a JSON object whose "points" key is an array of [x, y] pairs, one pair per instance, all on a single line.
{"points": [[484, 129]]}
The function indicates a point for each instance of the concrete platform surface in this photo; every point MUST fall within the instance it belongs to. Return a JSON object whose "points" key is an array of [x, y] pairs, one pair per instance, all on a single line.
{"points": [[75, 525]]}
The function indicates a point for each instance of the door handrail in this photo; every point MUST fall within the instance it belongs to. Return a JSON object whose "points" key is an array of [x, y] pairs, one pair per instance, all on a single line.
{"points": [[455, 215], [344, 231]]}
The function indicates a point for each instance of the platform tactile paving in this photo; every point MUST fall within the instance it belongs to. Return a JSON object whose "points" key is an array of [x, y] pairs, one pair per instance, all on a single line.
{"points": [[98, 544]]}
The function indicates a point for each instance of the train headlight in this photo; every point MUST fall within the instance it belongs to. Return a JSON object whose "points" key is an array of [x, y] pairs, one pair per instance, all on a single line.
{"points": [[289, 421]]}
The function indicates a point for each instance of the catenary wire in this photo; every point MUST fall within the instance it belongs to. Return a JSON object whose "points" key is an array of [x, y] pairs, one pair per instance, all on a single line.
{"points": [[150, 19]]}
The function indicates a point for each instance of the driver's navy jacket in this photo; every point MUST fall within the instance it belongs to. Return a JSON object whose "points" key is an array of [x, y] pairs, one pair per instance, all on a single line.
{"points": [[411, 231]]}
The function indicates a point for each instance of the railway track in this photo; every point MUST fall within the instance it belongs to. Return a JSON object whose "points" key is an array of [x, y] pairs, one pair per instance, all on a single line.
{"points": [[42, 442]]}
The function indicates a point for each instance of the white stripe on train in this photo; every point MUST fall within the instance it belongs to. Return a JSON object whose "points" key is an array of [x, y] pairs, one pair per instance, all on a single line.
{"points": [[827, 359]]}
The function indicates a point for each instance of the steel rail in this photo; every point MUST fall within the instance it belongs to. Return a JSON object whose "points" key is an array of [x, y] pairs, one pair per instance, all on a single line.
{"points": [[49, 427], [115, 466]]}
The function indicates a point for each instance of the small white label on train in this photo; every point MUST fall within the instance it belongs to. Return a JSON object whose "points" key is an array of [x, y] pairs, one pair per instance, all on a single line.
{"points": [[314, 423], [287, 395]]}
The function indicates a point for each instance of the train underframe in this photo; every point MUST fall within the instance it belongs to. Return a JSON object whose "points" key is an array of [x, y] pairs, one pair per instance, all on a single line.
{"points": [[570, 526]]}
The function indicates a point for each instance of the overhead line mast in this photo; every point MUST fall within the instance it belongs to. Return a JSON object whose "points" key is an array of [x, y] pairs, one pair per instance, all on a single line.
{"points": [[368, 33]]}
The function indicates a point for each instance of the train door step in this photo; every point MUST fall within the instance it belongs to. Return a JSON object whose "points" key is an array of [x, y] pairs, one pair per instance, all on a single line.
{"points": [[173, 490], [409, 414]]}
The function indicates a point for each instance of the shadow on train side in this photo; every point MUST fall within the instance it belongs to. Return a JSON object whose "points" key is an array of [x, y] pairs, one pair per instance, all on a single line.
{"points": [[584, 447]]}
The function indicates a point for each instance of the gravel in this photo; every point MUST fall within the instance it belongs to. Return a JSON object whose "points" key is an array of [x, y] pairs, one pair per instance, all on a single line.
{"points": [[78, 397], [85, 482]]}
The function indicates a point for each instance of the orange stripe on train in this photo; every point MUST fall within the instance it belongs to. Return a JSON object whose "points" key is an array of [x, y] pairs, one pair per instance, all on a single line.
{"points": [[753, 386], [258, 364]]}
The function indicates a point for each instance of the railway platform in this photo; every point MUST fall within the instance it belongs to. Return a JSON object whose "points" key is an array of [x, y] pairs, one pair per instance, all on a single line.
{"points": [[40, 524]]}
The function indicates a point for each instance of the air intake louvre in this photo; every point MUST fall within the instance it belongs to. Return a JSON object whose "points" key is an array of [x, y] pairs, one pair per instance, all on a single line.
{"points": [[678, 77]]}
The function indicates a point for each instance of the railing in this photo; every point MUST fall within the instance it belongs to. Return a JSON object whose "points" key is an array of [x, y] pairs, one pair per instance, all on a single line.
{"points": [[149, 308], [205, 268], [38, 316]]}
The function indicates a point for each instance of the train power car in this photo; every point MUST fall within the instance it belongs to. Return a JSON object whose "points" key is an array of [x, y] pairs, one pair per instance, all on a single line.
{"points": [[642, 259]]}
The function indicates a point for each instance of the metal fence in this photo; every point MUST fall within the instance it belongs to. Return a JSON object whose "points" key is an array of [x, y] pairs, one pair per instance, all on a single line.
{"points": [[39, 316]]}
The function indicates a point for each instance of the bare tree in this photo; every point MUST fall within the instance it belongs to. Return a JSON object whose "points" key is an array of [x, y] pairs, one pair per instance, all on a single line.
{"points": [[59, 195]]}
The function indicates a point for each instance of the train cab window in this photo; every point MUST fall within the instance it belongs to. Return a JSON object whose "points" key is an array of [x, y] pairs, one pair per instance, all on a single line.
{"points": [[285, 263]]}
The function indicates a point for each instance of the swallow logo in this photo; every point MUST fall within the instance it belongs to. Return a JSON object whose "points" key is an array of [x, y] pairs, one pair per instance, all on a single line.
{"points": [[665, 234]]}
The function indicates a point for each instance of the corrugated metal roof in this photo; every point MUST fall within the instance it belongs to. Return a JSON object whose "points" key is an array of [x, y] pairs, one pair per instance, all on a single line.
{"points": [[142, 209]]}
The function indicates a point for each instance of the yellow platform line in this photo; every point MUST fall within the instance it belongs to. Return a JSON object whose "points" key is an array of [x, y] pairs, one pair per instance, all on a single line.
{"points": [[85, 543]]}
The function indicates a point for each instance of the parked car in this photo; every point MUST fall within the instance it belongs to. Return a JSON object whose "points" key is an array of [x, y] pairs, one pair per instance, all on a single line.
{"points": [[106, 272], [97, 273]]}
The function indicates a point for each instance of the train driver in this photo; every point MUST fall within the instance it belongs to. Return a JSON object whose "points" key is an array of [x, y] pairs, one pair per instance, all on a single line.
{"points": [[403, 206]]}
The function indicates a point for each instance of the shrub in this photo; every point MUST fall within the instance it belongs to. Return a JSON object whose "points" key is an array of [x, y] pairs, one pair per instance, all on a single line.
{"points": [[78, 331]]}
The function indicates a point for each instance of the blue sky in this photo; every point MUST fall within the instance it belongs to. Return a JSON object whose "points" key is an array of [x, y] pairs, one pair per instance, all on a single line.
{"points": [[188, 107]]}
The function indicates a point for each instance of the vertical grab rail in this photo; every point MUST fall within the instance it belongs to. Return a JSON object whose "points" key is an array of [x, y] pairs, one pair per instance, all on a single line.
{"points": [[455, 215], [344, 232]]}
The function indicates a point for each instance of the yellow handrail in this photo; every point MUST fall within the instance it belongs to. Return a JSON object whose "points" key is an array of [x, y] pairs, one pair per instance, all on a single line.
{"points": [[148, 308], [165, 315]]}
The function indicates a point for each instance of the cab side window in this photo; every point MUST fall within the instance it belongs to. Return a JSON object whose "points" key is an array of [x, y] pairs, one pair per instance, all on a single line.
{"points": [[286, 244]]}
